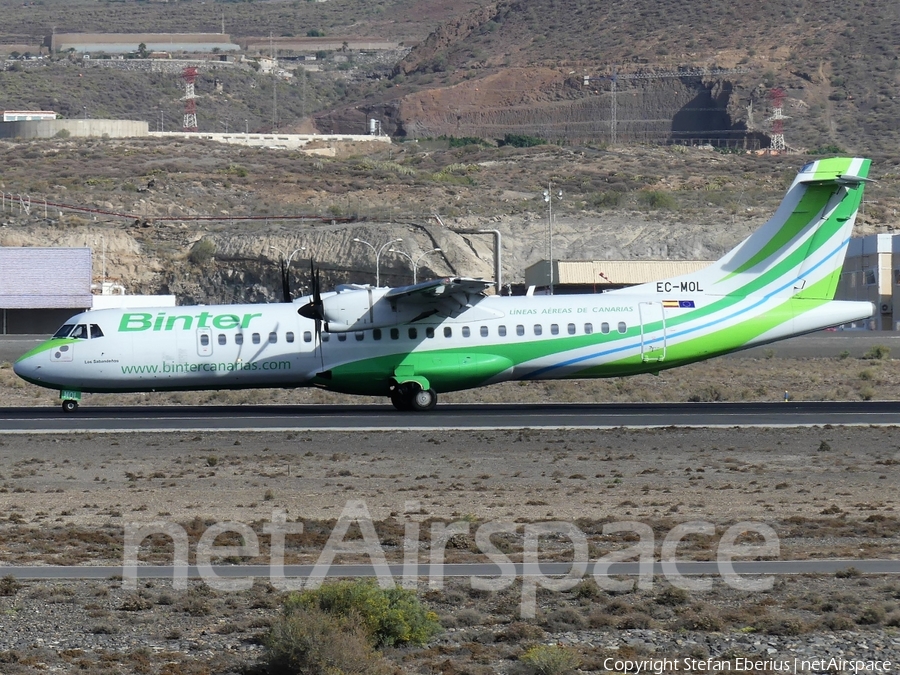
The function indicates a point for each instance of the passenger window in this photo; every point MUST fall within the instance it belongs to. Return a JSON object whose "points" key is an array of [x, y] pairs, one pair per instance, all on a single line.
{"points": [[571, 329], [395, 333], [273, 338], [376, 333], [222, 339], [359, 335], [64, 331], [484, 331], [307, 336], [448, 332], [429, 332], [501, 331], [289, 337], [204, 340], [256, 338], [465, 331], [554, 329], [538, 329], [588, 328], [80, 332], [604, 328], [95, 331], [622, 327], [413, 333], [239, 338], [342, 337], [520, 330]]}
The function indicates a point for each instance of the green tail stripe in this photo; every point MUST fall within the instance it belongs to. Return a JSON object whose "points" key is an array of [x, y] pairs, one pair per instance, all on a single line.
{"points": [[811, 203]]}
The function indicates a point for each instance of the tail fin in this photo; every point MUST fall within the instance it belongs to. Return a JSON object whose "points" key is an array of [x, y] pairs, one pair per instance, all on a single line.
{"points": [[799, 252]]}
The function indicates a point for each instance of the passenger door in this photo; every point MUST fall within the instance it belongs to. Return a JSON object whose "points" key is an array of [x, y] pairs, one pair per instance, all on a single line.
{"points": [[653, 331]]}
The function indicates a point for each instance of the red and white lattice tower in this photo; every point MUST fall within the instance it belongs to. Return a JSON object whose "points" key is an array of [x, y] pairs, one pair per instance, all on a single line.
{"points": [[189, 75], [776, 99]]}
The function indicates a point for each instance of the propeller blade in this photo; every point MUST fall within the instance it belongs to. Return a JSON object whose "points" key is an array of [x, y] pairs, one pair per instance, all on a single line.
{"points": [[315, 309]]}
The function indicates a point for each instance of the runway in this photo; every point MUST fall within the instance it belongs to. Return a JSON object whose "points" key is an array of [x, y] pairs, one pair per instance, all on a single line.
{"points": [[398, 571], [448, 417]]}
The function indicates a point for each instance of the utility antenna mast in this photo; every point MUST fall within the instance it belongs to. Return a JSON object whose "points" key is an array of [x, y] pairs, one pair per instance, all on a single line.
{"points": [[189, 75], [776, 97]]}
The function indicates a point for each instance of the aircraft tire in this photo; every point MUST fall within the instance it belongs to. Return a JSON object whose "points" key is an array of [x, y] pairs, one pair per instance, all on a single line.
{"points": [[69, 406], [400, 401], [423, 399]]}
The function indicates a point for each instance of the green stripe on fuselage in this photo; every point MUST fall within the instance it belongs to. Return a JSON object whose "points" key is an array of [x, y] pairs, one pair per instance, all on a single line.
{"points": [[52, 343]]}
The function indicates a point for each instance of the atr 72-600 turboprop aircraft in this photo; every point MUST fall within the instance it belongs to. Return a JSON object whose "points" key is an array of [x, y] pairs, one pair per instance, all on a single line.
{"points": [[443, 335]]}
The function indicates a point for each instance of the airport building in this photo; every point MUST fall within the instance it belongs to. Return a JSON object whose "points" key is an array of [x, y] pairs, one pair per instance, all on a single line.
{"points": [[40, 288], [872, 272], [596, 276], [128, 43]]}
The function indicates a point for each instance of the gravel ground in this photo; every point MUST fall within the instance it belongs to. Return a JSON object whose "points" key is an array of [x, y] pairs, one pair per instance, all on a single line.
{"points": [[827, 492]]}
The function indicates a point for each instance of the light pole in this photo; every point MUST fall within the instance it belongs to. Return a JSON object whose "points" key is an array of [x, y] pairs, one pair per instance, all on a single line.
{"points": [[549, 197], [224, 124], [84, 108], [246, 126], [414, 263], [377, 252]]}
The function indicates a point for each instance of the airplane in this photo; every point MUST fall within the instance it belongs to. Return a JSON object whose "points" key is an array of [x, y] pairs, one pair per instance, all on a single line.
{"points": [[411, 343]]}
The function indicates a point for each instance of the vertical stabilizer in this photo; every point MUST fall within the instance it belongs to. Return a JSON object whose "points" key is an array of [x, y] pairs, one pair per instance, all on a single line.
{"points": [[799, 252]]}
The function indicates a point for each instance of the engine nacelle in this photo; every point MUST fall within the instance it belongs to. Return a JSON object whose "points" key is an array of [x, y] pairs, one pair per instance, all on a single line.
{"points": [[364, 309]]}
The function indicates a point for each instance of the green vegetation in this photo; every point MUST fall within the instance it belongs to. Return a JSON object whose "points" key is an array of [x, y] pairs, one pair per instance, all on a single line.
{"points": [[9, 585], [655, 199], [392, 616], [521, 141], [878, 353], [309, 640], [550, 659], [202, 252], [827, 150], [466, 140]]}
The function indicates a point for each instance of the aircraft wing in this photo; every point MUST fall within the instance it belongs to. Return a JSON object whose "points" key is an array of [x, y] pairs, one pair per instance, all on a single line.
{"points": [[434, 291]]}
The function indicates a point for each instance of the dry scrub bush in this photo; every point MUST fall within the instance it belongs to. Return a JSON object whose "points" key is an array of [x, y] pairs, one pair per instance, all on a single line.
{"points": [[550, 659], [315, 642]]}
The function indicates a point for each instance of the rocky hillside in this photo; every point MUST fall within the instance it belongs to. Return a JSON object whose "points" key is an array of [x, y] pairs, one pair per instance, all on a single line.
{"points": [[516, 67], [209, 222]]}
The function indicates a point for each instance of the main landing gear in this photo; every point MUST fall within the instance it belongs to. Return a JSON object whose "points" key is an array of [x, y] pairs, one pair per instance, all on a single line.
{"points": [[410, 396], [69, 406]]}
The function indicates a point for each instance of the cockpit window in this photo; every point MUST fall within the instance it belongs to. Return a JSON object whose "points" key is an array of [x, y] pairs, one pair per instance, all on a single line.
{"points": [[96, 332], [64, 331], [80, 332]]}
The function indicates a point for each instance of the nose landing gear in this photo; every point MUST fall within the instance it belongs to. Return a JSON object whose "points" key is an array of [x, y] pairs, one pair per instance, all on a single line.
{"points": [[69, 398]]}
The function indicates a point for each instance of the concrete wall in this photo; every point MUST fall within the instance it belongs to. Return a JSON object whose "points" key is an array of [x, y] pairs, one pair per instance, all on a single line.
{"points": [[274, 141], [76, 128]]}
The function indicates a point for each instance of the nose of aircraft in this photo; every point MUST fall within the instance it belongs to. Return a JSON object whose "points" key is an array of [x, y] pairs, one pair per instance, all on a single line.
{"points": [[29, 366]]}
